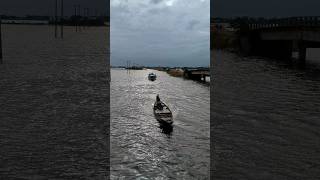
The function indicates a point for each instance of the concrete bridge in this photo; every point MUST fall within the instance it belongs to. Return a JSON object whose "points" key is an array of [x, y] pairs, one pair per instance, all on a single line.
{"points": [[279, 38], [198, 74]]}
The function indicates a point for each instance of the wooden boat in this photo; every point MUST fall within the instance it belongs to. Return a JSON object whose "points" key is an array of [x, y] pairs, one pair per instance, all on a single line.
{"points": [[163, 115], [152, 76]]}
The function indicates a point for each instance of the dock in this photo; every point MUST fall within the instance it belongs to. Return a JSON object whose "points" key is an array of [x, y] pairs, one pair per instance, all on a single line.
{"points": [[198, 74]]}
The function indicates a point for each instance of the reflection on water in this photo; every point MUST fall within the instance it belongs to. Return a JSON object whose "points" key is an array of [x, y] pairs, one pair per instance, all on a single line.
{"points": [[53, 104], [143, 148], [166, 129], [265, 118]]}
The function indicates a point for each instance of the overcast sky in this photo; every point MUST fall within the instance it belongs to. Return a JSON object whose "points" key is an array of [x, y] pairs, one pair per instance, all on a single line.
{"points": [[160, 32], [265, 8], [46, 7]]}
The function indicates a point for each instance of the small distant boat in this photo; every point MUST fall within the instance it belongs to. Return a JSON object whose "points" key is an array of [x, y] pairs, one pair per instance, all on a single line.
{"points": [[152, 76], [162, 113]]}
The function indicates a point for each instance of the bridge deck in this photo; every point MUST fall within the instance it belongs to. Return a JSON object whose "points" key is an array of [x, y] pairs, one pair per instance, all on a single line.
{"points": [[207, 73]]}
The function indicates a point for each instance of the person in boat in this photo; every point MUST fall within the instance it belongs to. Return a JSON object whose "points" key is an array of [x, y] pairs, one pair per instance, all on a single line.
{"points": [[158, 103]]}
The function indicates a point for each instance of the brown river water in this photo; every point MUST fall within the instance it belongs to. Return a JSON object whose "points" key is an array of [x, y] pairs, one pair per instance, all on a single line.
{"points": [[54, 104], [265, 118], [140, 149]]}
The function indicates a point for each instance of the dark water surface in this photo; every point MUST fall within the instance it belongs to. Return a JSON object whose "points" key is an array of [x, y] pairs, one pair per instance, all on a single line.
{"points": [[140, 149], [54, 104], [265, 119]]}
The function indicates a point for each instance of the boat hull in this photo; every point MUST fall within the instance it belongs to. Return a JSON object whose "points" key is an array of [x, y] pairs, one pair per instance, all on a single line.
{"points": [[163, 116], [152, 78]]}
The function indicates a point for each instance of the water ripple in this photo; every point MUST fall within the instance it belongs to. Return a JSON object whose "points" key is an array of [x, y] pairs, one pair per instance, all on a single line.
{"points": [[140, 148]]}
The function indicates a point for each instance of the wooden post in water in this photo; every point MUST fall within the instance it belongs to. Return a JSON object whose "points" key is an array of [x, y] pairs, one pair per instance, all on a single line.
{"points": [[56, 19], [84, 18], [75, 18], [62, 19], [302, 52], [88, 14], [1, 58], [80, 18], [127, 66]]}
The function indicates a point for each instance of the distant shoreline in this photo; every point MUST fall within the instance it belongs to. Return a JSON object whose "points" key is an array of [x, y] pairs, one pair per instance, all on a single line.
{"points": [[67, 25], [174, 72], [71, 21]]}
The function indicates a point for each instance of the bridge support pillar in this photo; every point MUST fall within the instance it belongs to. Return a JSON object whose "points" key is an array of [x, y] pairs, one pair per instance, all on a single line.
{"points": [[278, 49], [302, 52], [273, 49]]}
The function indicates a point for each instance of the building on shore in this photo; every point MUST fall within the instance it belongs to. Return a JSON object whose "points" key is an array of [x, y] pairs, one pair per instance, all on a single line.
{"points": [[24, 21], [68, 21]]}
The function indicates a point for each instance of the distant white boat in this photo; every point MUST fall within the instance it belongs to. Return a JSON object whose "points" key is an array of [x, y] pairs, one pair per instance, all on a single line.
{"points": [[152, 76]]}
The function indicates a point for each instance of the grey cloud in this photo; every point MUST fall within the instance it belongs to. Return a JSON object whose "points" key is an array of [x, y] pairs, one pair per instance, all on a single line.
{"points": [[172, 33], [192, 24], [155, 1], [154, 11]]}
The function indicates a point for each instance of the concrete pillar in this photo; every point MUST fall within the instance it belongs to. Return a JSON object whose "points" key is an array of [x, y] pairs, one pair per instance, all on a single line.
{"points": [[302, 52], [245, 45], [275, 49]]}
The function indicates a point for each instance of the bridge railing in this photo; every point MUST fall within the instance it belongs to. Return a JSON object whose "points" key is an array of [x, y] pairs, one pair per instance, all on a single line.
{"points": [[306, 21]]}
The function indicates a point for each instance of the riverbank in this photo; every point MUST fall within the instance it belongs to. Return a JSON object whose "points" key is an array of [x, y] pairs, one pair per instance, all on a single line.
{"points": [[175, 72], [223, 40], [183, 73], [223, 36]]}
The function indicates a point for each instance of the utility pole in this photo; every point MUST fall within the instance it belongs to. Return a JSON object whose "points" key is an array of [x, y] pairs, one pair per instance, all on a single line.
{"points": [[62, 18], [1, 60], [88, 12], [87, 16], [75, 17]]}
